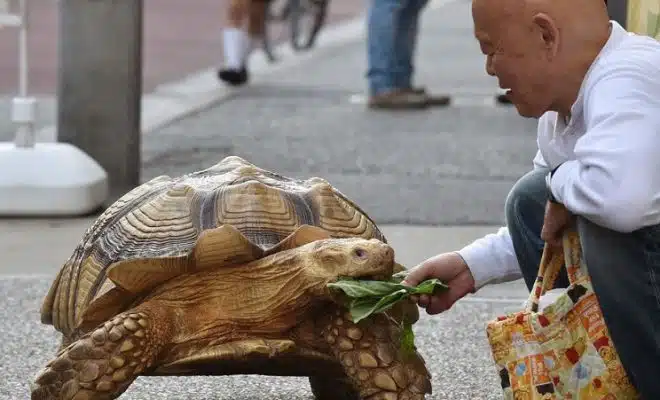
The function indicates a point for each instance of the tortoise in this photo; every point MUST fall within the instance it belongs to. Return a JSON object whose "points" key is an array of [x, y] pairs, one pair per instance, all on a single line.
{"points": [[223, 271]]}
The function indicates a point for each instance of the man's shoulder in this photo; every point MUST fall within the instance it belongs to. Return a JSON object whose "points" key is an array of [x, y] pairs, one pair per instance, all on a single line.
{"points": [[634, 54]]}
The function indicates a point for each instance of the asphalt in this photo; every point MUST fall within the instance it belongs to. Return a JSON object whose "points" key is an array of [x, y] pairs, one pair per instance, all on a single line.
{"points": [[434, 180]]}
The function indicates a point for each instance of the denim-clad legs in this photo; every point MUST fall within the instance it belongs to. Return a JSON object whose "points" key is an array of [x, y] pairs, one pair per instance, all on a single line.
{"points": [[391, 42], [624, 269]]}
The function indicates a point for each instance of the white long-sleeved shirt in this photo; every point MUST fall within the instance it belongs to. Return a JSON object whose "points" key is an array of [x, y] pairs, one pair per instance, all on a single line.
{"points": [[608, 154]]}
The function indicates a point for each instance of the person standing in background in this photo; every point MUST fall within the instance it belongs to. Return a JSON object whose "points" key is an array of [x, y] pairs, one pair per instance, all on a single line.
{"points": [[392, 27], [240, 41]]}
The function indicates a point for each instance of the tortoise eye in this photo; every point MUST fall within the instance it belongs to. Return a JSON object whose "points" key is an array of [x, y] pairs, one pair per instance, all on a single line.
{"points": [[360, 253]]}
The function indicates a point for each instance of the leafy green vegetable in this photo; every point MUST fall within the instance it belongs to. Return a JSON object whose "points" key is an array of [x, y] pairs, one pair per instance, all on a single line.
{"points": [[357, 289], [368, 297], [399, 276], [363, 307], [407, 340]]}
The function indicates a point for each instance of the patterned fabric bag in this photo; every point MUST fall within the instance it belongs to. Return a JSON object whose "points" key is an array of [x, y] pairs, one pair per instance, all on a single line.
{"points": [[565, 350]]}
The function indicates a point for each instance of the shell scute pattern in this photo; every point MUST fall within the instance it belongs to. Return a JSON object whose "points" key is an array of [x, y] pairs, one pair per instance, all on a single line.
{"points": [[165, 217]]}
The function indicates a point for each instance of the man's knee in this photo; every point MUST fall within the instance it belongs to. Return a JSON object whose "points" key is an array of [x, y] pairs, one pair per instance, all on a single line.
{"points": [[527, 194]]}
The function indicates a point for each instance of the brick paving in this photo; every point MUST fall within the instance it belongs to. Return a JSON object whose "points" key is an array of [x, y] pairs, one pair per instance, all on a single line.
{"points": [[180, 37]]}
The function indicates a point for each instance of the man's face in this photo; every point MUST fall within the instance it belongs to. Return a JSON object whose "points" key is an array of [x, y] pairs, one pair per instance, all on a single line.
{"points": [[516, 54]]}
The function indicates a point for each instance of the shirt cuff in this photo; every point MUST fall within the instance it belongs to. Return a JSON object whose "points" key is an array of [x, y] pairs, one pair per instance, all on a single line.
{"points": [[475, 256]]}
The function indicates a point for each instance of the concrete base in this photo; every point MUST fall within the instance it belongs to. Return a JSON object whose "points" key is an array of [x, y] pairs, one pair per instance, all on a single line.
{"points": [[49, 179]]}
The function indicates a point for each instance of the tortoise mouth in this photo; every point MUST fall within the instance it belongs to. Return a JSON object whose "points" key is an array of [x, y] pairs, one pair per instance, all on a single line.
{"points": [[366, 277], [374, 277]]}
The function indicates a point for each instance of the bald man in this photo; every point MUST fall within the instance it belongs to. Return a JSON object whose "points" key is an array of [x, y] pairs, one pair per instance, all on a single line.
{"points": [[595, 90]]}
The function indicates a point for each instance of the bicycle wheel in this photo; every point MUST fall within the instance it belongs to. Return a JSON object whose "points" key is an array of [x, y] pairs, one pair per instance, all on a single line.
{"points": [[306, 19], [278, 11]]}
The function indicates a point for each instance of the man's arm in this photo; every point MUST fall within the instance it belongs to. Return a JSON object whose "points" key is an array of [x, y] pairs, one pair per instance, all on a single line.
{"points": [[492, 259], [615, 179]]}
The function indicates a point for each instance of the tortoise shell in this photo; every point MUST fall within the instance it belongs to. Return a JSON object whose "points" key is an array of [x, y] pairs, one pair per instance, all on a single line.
{"points": [[165, 218]]}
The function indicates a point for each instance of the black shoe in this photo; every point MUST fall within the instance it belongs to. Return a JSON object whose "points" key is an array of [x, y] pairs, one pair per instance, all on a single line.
{"points": [[232, 76]]}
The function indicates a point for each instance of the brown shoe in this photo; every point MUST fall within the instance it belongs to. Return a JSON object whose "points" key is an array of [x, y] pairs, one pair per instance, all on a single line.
{"points": [[398, 100], [432, 100]]}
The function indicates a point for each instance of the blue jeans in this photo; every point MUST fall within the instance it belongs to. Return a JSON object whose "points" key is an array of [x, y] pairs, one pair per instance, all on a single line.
{"points": [[392, 28], [625, 273]]}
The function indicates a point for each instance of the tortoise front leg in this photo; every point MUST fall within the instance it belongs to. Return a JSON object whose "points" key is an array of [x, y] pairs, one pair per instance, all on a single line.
{"points": [[370, 354], [104, 362]]}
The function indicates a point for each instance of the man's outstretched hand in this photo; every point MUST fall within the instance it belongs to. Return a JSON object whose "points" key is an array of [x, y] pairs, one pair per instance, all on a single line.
{"points": [[451, 269]]}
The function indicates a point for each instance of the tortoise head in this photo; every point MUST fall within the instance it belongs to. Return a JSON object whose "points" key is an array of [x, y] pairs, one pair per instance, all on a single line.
{"points": [[352, 257]]}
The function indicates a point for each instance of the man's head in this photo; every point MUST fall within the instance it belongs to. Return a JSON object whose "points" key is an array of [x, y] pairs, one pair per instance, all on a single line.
{"points": [[540, 50]]}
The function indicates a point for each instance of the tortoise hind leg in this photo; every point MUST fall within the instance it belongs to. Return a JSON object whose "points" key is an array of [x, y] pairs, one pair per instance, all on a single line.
{"points": [[104, 362], [328, 388]]}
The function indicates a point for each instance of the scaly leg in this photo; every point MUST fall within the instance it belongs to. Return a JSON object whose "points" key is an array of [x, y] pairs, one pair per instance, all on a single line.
{"points": [[104, 362], [370, 354]]}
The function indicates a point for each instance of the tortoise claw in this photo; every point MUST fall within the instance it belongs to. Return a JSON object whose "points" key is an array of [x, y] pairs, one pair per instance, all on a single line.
{"points": [[101, 364]]}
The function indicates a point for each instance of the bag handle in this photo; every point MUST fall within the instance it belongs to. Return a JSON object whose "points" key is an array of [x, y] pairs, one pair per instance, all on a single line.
{"points": [[552, 261]]}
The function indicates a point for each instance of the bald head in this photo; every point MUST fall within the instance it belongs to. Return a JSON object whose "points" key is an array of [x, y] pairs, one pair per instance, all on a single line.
{"points": [[532, 43], [565, 13]]}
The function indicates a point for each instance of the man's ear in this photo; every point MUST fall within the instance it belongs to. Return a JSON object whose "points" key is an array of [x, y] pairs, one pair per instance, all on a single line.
{"points": [[547, 32]]}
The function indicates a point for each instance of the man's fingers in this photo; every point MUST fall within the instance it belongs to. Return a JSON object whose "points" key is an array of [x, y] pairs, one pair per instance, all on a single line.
{"points": [[546, 233], [551, 235], [438, 304], [424, 300], [415, 277]]}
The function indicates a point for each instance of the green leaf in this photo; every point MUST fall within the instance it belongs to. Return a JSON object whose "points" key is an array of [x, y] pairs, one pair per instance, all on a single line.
{"points": [[407, 340], [371, 297], [363, 307], [399, 276], [429, 286], [365, 288]]}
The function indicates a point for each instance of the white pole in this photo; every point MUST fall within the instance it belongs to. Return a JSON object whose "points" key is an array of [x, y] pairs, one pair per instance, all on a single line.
{"points": [[42, 179], [23, 107], [23, 50]]}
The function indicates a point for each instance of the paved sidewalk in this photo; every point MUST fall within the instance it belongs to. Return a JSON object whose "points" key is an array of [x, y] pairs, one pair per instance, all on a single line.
{"points": [[434, 180]]}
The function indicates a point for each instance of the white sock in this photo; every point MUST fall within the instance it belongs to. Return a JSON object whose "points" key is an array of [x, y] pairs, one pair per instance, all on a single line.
{"points": [[235, 46]]}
